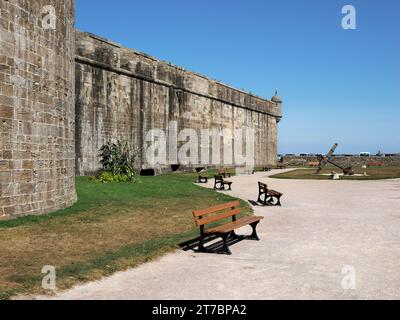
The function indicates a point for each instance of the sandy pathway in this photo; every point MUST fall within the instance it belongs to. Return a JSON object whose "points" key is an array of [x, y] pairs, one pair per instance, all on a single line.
{"points": [[322, 227]]}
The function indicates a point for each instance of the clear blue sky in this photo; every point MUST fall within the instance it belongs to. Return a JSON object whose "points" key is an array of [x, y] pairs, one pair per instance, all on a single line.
{"points": [[337, 85]]}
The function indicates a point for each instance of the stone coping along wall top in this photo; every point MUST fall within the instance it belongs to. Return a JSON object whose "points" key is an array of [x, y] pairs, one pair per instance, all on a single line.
{"points": [[97, 51]]}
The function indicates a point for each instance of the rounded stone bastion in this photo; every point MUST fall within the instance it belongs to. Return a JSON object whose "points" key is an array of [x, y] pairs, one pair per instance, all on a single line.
{"points": [[37, 117]]}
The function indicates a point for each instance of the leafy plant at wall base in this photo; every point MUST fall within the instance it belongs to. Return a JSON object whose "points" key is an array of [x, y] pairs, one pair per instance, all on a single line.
{"points": [[108, 177], [117, 162]]}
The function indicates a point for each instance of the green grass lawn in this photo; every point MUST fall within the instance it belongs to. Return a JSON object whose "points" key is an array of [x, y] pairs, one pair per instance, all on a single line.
{"points": [[373, 173], [110, 228]]}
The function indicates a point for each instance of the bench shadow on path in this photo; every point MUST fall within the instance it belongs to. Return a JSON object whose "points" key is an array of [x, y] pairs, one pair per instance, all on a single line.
{"points": [[216, 247]]}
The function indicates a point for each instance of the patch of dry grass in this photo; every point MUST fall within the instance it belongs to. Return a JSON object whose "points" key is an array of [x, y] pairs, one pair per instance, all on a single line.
{"points": [[111, 228]]}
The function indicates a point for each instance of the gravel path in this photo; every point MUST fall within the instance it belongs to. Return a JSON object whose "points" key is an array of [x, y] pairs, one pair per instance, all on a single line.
{"points": [[323, 229]]}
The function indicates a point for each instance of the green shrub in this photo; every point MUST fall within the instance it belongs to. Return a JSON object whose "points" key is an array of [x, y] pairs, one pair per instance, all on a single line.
{"points": [[117, 162], [108, 177]]}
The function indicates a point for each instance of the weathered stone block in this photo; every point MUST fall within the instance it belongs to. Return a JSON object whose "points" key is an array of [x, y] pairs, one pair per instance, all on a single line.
{"points": [[26, 188], [4, 165], [27, 164], [6, 112], [22, 176], [5, 202], [9, 211], [5, 177]]}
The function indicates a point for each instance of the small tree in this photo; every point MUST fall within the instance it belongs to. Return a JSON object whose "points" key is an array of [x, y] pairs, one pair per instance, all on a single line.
{"points": [[117, 161]]}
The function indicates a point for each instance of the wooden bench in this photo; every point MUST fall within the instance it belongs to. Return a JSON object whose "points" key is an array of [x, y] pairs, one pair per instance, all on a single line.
{"points": [[199, 171], [268, 196], [266, 169], [224, 173], [220, 183], [227, 230]]}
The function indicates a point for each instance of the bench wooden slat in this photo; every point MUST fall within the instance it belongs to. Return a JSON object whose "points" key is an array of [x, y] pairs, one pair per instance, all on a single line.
{"points": [[234, 225], [273, 192], [228, 205], [217, 217]]}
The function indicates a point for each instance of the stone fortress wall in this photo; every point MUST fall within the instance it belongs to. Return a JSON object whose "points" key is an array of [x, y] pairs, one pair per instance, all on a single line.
{"points": [[124, 93], [37, 119]]}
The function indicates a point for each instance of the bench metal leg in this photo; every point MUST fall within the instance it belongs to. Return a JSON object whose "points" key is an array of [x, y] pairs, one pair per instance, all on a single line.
{"points": [[202, 180], [201, 247], [254, 235], [270, 201], [225, 240], [233, 235], [267, 199], [276, 202]]}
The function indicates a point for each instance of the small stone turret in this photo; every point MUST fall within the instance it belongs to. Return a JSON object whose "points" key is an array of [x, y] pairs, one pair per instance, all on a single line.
{"points": [[276, 98], [278, 102]]}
